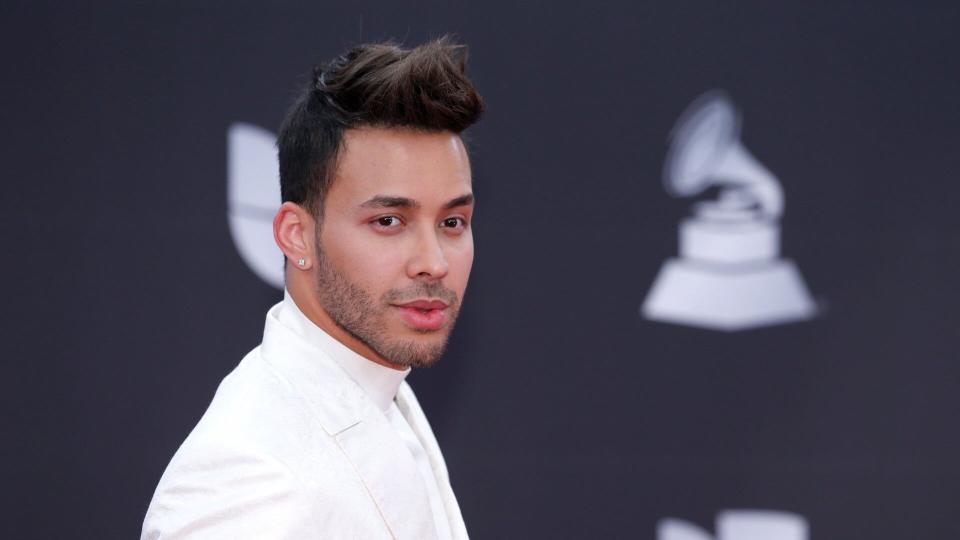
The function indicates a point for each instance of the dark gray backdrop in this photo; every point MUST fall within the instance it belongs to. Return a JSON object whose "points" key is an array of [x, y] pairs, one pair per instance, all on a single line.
{"points": [[561, 412]]}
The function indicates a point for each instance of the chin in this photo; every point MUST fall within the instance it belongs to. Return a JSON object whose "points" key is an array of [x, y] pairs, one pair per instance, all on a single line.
{"points": [[418, 350]]}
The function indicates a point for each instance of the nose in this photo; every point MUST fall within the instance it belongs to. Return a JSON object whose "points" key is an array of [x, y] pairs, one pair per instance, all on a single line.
{"points": [[428, 260]]}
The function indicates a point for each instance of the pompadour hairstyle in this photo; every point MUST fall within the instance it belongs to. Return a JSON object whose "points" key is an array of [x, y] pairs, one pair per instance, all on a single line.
{"points": [[375, 84]]}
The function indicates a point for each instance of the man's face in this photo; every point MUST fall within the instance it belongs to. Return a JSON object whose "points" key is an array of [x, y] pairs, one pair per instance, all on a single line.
{"points": [[395, 245]]}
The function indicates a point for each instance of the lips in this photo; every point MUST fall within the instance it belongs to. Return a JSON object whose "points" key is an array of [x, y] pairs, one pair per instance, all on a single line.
{"points": [[424, 314]]}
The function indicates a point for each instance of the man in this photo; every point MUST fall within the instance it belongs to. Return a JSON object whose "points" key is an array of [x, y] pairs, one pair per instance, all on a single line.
{"points": [[315, 434]]}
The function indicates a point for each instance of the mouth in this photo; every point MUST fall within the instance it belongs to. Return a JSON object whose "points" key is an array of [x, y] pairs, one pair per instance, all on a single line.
{"points": [[424, 315]]}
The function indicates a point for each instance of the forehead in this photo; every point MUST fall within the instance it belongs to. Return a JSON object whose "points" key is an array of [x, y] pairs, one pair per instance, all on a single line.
{"points": [[425, 166]]}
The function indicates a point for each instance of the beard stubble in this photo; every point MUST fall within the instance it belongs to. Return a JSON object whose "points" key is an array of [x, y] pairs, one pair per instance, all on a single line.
{"points": [[357, 313]]}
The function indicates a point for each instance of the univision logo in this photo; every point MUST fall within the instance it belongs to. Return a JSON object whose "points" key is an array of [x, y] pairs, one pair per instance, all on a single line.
{"points": [[729, 275], [253, 197], [739, 525]]}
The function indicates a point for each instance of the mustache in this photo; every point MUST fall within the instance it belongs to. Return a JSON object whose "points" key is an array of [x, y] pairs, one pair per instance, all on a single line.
{"points": [[421, 290]]}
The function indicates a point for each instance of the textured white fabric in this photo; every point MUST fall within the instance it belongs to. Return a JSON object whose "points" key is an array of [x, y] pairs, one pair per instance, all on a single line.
{"points": [[293, 448], [419, 455]]}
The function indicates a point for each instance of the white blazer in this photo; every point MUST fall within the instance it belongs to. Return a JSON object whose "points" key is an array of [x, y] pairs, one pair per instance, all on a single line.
{"points": [[292, 448]]}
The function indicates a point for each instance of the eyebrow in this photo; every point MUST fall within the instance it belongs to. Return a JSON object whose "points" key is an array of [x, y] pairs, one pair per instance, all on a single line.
{"points": [[390, 201], [463, 200]]}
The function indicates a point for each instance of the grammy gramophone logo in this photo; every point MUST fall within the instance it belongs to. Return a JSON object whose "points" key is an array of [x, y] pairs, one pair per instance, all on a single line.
{"points": [[729, 274]]}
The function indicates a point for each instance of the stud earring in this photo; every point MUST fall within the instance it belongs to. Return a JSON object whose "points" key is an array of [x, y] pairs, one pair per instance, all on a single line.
{"points": [[302, 262]]}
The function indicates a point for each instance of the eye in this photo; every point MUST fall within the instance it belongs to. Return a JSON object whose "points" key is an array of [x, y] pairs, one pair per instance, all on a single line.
{"points": [[456, 223], [387, 222]]}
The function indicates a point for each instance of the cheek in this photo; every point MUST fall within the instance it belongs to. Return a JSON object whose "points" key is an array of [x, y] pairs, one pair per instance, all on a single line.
{"points": [[366, 260], [376, 269]]}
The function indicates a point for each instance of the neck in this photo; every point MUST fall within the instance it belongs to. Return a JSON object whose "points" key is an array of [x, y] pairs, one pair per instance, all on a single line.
{"points": [[304, 295]]}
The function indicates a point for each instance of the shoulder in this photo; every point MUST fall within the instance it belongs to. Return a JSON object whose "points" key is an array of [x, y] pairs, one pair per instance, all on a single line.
{"points": [[257, 412], [257, 465], [220, 491], [235, 494]]}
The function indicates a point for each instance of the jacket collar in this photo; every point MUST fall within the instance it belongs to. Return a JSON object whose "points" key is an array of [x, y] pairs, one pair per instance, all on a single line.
{"points": [[378, 381]]}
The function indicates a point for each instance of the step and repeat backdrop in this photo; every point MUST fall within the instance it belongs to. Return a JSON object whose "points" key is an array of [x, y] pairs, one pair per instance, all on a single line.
{"points": [[714, 294]]}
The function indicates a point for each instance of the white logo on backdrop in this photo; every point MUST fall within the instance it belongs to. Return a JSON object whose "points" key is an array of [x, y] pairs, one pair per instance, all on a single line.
{"points": [[739, 525], [253, 197], [729, 275]]}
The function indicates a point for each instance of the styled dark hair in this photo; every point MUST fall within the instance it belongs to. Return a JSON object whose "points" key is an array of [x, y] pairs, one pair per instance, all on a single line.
{"points": [[375, 84]]}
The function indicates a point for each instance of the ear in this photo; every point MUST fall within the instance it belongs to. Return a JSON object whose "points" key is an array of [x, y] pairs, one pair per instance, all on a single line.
{"points": [[293, 230]]}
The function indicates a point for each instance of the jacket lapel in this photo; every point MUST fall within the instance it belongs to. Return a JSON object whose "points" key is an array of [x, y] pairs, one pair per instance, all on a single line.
{"points": [[390, 474], [410, 407]]}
